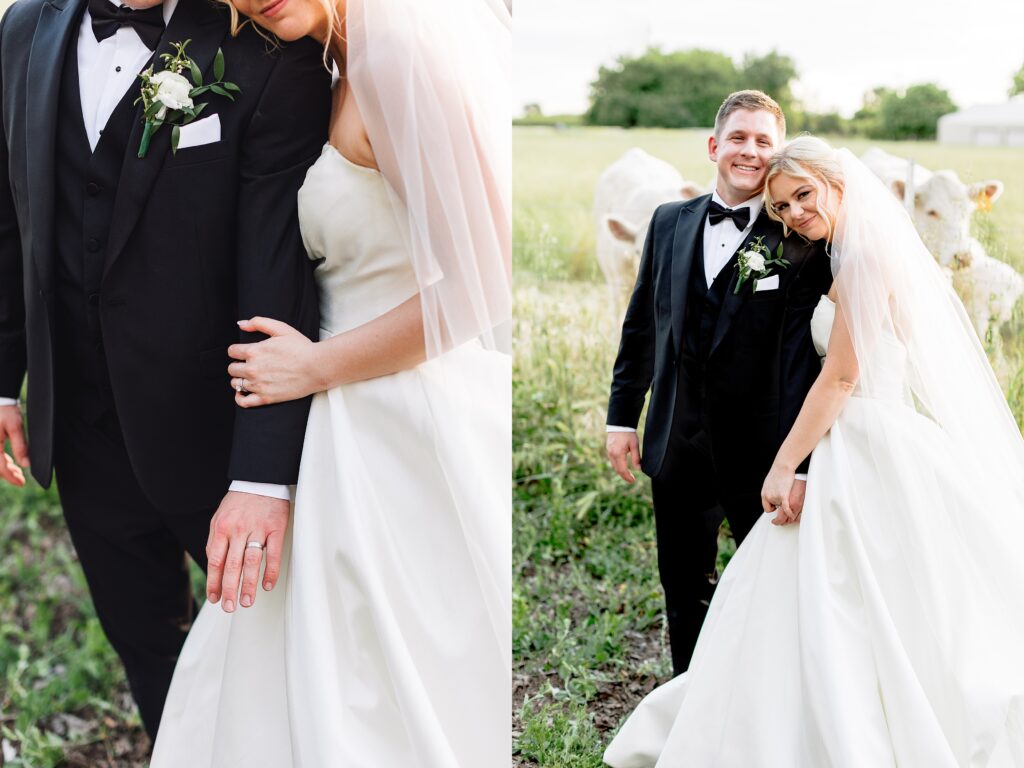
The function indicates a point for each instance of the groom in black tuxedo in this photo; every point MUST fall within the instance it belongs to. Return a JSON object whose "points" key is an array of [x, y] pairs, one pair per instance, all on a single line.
{"points": [[727, 366], [121, 282]]}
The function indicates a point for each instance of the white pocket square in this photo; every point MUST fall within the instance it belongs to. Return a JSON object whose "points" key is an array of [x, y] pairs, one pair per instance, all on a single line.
{"points": [[205, 131], [767, 284]]}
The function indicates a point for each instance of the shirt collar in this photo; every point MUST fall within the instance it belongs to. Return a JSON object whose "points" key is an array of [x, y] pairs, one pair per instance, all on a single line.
{"points": [[754, 204], [168, 8]]}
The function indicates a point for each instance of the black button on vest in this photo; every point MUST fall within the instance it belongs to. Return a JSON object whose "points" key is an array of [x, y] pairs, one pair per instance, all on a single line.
{"points": [[85, 185]]}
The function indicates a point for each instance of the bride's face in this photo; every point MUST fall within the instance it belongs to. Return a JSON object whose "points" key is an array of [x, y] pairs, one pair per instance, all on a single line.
{"points": [[288, 19], [801, 208]]}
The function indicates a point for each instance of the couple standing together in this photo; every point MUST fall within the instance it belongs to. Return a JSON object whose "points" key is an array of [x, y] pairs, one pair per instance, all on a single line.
{"points": [[815, 380], [364, 231]]}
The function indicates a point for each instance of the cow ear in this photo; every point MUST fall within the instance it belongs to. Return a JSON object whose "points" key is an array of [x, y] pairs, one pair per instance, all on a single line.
{"points": [[690, 191], [621, 230], [985, 191], [898, 187]]}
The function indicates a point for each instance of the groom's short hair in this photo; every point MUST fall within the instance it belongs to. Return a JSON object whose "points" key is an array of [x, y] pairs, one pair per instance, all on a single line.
{"points": [[754, 101]]}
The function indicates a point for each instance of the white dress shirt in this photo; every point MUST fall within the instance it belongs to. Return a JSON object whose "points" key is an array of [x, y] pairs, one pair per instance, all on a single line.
{"points": [[106, 70], [722, 240]]}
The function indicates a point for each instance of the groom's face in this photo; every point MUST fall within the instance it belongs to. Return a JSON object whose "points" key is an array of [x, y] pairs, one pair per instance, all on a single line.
{"points": [[741, 150]]}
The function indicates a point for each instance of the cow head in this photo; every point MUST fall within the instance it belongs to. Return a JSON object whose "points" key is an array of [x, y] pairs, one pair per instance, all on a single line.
{"points": [[632, 231], [942, 213]]}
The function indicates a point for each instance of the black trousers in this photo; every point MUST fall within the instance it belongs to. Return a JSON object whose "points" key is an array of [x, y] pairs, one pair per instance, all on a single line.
{"points": [[689, 507], [133, 554]]}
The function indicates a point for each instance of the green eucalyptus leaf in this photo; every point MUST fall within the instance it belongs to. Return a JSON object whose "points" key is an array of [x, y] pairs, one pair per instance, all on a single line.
{"points": [[231, 87], [218, 65], [220, 91], [198, 91], [197, 75], [199, 108], [175, 137]]}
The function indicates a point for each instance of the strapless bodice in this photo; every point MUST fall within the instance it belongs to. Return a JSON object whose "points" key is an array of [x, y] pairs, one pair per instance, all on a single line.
{"points": [[884, 376], [349, 224]]}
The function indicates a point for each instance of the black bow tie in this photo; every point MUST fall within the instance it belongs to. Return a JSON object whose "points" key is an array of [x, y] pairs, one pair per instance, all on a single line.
{"points": [[740, 216], [107, 19]]}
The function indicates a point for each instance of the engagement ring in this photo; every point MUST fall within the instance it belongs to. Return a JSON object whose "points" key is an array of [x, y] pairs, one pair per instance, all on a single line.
{"points": [[253, 545]]}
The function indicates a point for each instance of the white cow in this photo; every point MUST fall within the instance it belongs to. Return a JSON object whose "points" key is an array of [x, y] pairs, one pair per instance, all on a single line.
{"points": [[942, 212], [942, 203], [627, 193]]}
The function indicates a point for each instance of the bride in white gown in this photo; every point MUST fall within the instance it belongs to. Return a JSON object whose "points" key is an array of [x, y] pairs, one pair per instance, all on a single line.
{"points": [[387, 640], [886, 627]]}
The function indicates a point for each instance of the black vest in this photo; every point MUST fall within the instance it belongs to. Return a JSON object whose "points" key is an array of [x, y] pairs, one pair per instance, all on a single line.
{"points": [[85, 187], [703, 305]]}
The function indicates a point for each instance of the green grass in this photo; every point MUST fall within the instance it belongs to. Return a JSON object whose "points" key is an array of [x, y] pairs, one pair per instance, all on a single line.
{"points": [[588, 631], [64, 699]]}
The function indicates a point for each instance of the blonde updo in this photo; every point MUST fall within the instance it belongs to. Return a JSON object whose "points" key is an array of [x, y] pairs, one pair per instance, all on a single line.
{"points": [[811, 159]]}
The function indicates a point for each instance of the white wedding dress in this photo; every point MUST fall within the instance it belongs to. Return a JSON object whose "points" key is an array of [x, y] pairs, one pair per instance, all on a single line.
{"points": [[386, 643], [873, 633]]}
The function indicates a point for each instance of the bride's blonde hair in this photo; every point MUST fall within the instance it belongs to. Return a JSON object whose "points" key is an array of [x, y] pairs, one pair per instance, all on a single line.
{"points": [[809, 158], [330, 8]]}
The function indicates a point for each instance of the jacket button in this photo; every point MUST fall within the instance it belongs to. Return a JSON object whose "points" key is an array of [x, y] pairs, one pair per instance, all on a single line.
{"points": [[94, 299], [92, 189], [92, 245]]}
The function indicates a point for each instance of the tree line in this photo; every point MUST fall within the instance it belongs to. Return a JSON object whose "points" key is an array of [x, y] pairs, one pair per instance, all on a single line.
{"points": [[683, 89]]}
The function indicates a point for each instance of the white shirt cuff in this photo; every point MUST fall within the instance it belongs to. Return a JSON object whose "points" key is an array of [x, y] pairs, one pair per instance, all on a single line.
{"points": [[800, 476], [261, 489], [8, 401], [611, 428]]}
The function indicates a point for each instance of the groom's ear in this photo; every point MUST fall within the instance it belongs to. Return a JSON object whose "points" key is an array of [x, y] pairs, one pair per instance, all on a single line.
{"points": [[712, 148]]}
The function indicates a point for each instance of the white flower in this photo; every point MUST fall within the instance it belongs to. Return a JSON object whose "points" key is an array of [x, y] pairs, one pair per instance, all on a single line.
{"points": [[754, 261], [172, 91]]}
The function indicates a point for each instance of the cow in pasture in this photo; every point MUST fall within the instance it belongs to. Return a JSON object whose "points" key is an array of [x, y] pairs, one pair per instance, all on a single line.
{"points": [[627, 193], [942, 203], [942, 212]]}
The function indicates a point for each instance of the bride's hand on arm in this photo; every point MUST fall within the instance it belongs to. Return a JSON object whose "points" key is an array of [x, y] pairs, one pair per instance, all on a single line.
{"points": [[288, 366], [824, 402]]}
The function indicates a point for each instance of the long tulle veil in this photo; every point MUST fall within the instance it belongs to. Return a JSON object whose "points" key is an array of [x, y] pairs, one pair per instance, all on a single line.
{"points": [[891, 288], [432, 80]]}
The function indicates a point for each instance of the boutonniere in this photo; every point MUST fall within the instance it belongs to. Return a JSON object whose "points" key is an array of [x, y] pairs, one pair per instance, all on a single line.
{"points": [[168, 96], [756, 261]]}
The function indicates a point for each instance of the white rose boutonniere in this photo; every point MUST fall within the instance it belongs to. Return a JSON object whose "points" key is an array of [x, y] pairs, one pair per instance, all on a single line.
{"points": [[168, 96], [756, 261]]}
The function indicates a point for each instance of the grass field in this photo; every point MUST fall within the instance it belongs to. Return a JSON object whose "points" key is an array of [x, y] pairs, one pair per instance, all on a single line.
{"points": [[588, 633]]}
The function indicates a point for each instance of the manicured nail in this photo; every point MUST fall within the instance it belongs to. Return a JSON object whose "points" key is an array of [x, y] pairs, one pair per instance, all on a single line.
{"points": [[229, 605], [268, 585], [212, 597], [246, 601]]}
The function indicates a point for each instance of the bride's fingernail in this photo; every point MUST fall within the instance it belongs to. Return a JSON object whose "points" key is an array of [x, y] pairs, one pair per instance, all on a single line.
{"points": [[246, 601], [267, 586], [229, 605]]}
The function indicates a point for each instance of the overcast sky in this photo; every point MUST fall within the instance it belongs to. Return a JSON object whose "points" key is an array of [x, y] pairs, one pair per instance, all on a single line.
{"points": [[841, 49]]}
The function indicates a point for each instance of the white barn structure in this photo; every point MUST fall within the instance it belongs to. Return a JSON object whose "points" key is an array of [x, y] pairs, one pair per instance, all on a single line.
{"points": [[985, 125]]}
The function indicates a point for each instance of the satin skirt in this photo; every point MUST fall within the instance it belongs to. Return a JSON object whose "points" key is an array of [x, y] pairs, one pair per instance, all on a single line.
{"points": [[387, 641], [886, 628]]}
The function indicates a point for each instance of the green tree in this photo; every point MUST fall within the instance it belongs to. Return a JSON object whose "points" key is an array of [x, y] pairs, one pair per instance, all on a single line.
{"points": [[772, 73], [1018, 82], [913, 114], [665, 90]]}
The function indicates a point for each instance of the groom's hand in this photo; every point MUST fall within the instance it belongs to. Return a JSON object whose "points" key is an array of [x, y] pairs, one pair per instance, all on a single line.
{"points": [[11, 429], [241, 518], [623, 450], [796, 498]]}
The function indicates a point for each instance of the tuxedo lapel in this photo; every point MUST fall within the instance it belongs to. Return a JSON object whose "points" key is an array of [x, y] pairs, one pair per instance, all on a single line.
{"points": [[204, 26], [689, 226], [733, 301], [58, 23]]}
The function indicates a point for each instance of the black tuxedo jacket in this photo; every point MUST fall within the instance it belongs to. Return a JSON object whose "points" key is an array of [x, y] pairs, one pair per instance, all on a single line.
{"points": [[197, 241], [761, 362]]}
